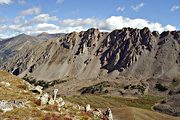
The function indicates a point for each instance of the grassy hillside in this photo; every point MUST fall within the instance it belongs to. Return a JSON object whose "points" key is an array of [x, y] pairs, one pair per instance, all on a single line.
{"points": [[13, 89]]}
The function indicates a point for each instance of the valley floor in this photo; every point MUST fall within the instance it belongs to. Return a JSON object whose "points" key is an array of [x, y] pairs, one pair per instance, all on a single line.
{"points": [[125, 108]]}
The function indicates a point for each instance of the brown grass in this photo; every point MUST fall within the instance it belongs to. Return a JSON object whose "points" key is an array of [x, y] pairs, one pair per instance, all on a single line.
{"points": [[32, 110], [16, 90], [50, 108], [49, 116], [23, 113]]}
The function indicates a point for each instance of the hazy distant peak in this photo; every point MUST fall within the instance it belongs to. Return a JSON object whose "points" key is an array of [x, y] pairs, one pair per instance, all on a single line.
{"points": [[43, 33]]}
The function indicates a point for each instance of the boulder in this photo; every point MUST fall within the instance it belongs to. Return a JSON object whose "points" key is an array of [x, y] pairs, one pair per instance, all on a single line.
{"points": [[97, 112], [5, 106], [51, 101], [108, 114], [87, 108], [17, 103], [44, 99], [62, 103], [39, 89]]}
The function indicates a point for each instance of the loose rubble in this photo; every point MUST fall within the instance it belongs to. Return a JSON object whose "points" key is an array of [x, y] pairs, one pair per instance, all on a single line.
{"points": [[10, 105]]}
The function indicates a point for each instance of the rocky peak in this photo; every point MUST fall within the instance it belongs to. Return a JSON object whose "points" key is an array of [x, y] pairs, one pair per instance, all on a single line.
{"points": [[121, 48], [168, 35], [155, 34], [70, 40], [23, 34], [176, 35], [89, 40], [164, 34], [43, 33], [90, 37]]}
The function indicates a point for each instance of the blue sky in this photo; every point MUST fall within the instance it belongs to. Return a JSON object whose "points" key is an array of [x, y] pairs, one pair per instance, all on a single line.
{"points": [[54, 16]]}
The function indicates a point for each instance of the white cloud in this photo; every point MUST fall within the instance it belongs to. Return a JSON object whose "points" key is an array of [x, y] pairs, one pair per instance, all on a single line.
{"points": [[3, 27], [44, 18], [72, 29], [31, 11], [169, 27], [37, 24], [137, 7], [118, 22], [115, 22], [88, 22], [120, 8], [20, 22], [46, 27], [43, 23], [59, 1], [175, 8], [5, 1], [15, 27]]}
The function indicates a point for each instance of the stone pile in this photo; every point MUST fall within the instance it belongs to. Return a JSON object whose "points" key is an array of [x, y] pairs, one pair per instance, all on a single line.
{"points": [[47, 99], [10, 105], [99, 113], [33, 88]]}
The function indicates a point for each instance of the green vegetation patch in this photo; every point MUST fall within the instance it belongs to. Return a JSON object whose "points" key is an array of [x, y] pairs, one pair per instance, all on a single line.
{"points": [[161, 87], [145, 102]]}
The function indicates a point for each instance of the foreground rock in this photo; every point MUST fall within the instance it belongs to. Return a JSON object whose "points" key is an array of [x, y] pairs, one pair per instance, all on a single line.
{"points": [[10, 105]]}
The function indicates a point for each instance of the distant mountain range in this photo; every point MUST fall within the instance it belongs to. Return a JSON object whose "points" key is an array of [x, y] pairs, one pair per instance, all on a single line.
{"points": [[47, 36], [11, 46]]}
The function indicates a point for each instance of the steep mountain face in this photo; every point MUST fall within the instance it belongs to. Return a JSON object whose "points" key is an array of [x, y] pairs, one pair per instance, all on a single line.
{"points": [[130, 58], [9, 47], [140, 53]]}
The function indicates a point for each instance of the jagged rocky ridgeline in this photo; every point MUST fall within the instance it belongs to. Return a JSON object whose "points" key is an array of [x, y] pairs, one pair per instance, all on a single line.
{"points": [[137, 53]]}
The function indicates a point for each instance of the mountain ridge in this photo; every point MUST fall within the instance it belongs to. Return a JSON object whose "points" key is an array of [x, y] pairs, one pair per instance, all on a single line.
{"points": [[10, 46], [133, 41], [124, 62]]}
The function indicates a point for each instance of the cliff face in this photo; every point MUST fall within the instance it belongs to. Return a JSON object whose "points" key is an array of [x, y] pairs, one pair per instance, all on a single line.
{"points": [[128, 52], [141, 53]]}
